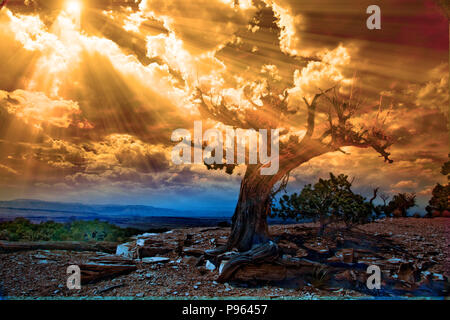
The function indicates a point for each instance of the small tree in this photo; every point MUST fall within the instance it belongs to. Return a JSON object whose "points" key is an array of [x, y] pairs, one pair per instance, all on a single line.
{"points": [[440, 200], [400, 204], [327, 201]]}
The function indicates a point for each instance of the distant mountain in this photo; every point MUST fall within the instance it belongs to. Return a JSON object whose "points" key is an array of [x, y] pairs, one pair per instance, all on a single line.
{"points": [[22, 206], [135, 216]]}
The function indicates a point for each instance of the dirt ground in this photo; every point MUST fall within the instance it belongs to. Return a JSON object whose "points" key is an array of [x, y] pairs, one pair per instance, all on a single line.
{"points": [[424, 242]]}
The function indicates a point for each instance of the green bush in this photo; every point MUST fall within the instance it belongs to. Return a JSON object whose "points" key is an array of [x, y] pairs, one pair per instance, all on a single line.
{"points": [[328, 201], [23, 230]]}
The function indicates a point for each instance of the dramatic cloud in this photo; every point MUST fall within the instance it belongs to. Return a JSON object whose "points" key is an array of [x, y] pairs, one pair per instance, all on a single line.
{"points": [[88, 101], [36, 109], [202, 25]]}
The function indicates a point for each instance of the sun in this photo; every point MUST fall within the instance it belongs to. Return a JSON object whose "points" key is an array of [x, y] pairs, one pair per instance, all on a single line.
{"points": [[73, 7]]}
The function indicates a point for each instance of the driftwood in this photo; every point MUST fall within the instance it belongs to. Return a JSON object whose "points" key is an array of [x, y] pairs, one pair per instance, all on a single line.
{"points": [[108, 247], [265, 252]]}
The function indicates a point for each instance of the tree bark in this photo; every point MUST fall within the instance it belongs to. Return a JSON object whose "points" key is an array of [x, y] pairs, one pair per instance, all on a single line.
{"points": [[249, 222]]}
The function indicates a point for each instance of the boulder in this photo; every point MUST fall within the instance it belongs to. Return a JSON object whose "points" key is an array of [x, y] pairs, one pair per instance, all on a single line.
{"points": [[127, 250], [210, 266]]}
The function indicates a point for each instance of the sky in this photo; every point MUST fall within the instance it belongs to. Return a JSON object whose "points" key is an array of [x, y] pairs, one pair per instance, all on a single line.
{"points": [[91, 91]]}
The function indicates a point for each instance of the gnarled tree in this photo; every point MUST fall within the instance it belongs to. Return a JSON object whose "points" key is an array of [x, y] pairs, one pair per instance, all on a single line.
{"points": [[249, 231]]}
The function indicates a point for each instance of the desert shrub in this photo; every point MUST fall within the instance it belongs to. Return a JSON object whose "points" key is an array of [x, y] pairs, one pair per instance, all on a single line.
{"points": [[400, 203], [22, 229], [440, 199], [328, 201]]}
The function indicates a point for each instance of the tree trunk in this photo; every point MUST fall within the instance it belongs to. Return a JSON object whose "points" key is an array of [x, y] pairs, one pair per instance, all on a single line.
{"points": [[321, 229], [249, 223]]}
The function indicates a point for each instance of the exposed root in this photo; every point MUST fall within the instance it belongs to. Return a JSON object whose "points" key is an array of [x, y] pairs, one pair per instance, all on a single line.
{"points": [[265, 252]]}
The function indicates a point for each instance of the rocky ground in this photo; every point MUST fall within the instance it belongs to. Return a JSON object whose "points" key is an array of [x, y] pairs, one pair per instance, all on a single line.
{"points": [[413, 255]]}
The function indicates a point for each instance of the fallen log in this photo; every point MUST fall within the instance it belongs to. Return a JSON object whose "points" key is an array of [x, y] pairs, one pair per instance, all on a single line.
{"points": [[108, 247]]}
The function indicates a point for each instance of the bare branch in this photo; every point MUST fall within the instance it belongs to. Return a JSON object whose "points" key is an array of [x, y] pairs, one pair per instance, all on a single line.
{"points": [[312, 112]]}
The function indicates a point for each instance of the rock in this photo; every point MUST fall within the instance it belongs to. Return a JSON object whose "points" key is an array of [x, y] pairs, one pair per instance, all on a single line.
{"points": [[210, 266], [151, 260], [192, 261], [111, 259], [109, 288], [126, 250], [222, 264], [147, 235], [93, 272], [193, 251], [150, 251]]}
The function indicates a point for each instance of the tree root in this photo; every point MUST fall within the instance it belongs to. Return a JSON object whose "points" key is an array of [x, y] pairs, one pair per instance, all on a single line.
{"points": [[265, 252]]}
